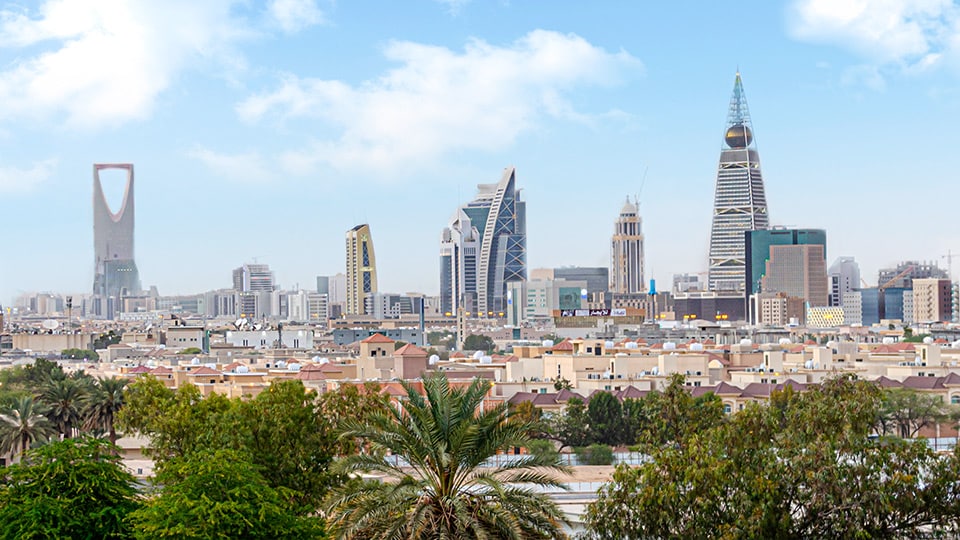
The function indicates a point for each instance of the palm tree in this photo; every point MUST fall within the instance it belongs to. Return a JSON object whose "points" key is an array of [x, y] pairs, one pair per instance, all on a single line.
{"points": [[22, 424], [103, 403], [445, 490], [63, 400]]}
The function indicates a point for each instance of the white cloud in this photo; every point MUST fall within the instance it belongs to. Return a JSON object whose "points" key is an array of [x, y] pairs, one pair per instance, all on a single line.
{"points": [[439, 101], [19, 180], [294, 15], [104, 62], [913, 33], [246, 167], [453, 6]]}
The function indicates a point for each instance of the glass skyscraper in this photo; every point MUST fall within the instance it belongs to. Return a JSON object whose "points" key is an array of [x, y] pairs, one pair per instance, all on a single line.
{"points": [[740, 203], [483, 249]]}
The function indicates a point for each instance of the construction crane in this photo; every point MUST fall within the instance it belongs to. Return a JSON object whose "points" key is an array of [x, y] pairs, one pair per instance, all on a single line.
{"points": [[897, 277], [949, 257]]}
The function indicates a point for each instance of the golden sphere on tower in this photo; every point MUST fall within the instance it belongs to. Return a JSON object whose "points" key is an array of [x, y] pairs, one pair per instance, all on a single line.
{"points": [[738, 136]]}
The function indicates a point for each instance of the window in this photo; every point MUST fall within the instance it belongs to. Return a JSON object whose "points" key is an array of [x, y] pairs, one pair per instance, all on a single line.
{"points": [[955, 400], [727, 409]]}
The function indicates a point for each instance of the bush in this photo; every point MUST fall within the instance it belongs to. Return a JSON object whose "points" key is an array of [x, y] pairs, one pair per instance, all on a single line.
{"points": [[542, 447], [595, 454]]}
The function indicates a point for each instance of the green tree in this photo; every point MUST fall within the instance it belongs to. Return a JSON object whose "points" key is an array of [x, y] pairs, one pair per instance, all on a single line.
{"points": [[475, 342], [527, 413], [571, 427], [801, 466], [63, 400], [23, 424], [606, 420], [906, 411], [351, 403], [76, 488], [103, 403], [219, 495], [446, 491], [105, 340], [80, 354], [146, 399], [595, 454], [291, 442], [670, 417], [192, 350]]}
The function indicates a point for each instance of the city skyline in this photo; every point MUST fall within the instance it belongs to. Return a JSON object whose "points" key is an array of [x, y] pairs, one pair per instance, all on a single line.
{"points": [[253, 126]]}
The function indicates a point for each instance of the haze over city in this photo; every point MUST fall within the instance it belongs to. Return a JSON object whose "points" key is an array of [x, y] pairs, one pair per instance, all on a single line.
{"points": [[263, 131]]}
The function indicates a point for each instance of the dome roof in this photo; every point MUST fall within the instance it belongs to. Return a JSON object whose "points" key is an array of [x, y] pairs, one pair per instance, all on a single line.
{"points": [[738, 136]]}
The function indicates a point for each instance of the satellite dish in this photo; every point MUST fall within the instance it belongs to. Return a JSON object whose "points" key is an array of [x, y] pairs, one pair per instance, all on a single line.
{"points": [[50, 324]]}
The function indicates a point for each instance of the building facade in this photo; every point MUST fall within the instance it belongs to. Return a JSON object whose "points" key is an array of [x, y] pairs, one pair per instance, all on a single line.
{"points": [[932, 300], [361, 268], [115, 271], [798, 270], [626, 252], [740, 203], [253, 278], [757, 246], [844, 277], [483, 249]]}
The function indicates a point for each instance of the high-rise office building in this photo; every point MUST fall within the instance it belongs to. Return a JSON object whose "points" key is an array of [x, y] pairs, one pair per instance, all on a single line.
{"points": [[932, 300], [844, 277], [739, 202], [757, 246], [903, 274], [596, 277], [626, 252], [361, 268], [253, 278], [798, 270], [115, 273], [484, 248]]}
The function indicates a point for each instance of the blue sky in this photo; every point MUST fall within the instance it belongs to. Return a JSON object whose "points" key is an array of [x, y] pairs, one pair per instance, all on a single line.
{"points": [[267, 129]]}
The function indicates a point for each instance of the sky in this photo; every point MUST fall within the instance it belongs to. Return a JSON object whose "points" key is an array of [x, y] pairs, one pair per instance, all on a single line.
{"points": [[263, 130]]}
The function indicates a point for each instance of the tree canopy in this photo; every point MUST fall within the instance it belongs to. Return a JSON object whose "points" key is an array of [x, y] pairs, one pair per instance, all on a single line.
{"points": [[445, 490], [802, 466], [75, 488]]}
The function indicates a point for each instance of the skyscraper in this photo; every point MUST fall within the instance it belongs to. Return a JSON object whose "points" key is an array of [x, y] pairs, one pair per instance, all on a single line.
{"points": [[626, 252], [739, 203], [757, 250], [115, 272], [361, 268], [253, 278], [844, 278], [484, 248]]}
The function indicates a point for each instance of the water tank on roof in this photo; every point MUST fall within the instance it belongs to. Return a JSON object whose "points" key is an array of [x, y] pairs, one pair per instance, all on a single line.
{"points": [[746, 341], [547, 343], [928, 340], [808, 364], [608, 344], [293, 366], [324, 360], [696, 347], [478, 355], [631, 345], [888, 341], [434, 359], [831, 344], [669, 346], [655, 370], [486, 360], [785, 341], [280, 364], [210, 365], [195, 361], [243, 369]]}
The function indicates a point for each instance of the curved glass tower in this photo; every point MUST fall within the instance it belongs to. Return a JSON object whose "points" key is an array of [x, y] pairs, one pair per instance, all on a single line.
{"points": [[484, 248], [740, 204]]}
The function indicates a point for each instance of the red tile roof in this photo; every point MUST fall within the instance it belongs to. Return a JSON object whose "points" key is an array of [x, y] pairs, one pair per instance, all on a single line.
{"points": [[377, 338], [161, 370], [563, 346], [204, 371], [410, 350]]}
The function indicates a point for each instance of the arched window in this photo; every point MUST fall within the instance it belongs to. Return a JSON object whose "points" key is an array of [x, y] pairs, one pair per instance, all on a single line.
{"points": [[727, 409], [955, 400]]}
